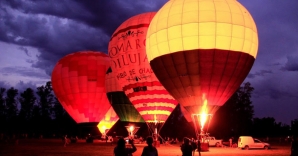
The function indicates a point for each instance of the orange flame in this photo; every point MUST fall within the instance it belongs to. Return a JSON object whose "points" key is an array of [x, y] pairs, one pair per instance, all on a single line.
{"points": [[204, 112]]}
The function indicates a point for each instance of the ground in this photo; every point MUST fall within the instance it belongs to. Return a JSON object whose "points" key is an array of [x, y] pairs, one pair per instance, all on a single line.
{"points": [[55, 147]]}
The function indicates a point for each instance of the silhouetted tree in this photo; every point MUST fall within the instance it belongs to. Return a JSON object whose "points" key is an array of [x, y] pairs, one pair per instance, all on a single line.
{"points": [[58, 110], [224, 120], [245, 111], [294, 127], [11, 111], [235, 117], [45, 100], [36, 123], [268, 127], [2, 109], [27, 100]]}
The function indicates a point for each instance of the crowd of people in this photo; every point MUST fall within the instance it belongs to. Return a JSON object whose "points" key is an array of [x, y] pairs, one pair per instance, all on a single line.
{"points": [[188, 148]]}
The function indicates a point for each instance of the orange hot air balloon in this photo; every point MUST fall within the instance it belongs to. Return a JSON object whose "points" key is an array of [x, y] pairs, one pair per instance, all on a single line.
{"points": [[134, 74], [108, 121], [202, 49], [78, 81]]}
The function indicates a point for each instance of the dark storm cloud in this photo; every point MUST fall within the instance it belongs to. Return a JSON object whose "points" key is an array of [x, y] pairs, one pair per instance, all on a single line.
{"points": [[4, 85], [22, 86], [22, 71], [25, 50], [259, 73], [277, 27], [60, 27], [292, 63]]}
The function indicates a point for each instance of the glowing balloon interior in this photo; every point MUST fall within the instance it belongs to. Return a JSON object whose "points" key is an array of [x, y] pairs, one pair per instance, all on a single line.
{"points": [[108, 121], [78, 81], [198, 47]]}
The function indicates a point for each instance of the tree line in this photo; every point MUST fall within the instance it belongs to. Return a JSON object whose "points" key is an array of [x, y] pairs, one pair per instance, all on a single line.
{"points": [[32, 112], [39, 113], [233, 119]]}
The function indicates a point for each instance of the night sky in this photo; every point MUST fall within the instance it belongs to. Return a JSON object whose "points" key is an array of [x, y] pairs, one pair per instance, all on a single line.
{"points": [[34, 35]]}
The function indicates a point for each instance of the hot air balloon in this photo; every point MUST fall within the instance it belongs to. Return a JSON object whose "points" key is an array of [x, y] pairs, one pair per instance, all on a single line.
{"points": [[133, 72], [119, 101], [202, 50], [127, 113], [107, 122], [78, 81]]}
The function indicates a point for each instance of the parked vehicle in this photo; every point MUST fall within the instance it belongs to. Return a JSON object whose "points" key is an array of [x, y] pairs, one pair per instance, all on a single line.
{"points": [[248, 142], [212, 141]]}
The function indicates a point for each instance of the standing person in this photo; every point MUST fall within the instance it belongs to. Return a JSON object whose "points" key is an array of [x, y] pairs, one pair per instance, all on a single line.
{"points": [[66, 140], [199, 147], [122, 150], [231, 142], [149, 150], [194, 146], [294, 146], [186, 148], [106, 138]]}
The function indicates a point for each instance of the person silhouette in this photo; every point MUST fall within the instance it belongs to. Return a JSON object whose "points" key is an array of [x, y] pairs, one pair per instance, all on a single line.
{"points": [[149, 150], [186, 147], [122, 150]]}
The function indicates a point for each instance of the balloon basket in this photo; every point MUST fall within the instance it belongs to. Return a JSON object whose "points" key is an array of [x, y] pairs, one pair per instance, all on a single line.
{"points": [[156, 143], [204, 147]]}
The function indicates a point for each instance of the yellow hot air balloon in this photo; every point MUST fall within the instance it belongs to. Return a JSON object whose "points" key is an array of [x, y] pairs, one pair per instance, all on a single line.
{"points": [[202, 50]]}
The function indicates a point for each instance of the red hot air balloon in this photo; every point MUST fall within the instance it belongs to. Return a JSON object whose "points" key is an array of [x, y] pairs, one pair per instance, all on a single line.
{"points": [[78, 81], [202, 50], [134, 74]]}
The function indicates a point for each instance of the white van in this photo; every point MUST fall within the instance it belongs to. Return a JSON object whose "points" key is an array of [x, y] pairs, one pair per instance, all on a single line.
{"points": [[247, 142]]}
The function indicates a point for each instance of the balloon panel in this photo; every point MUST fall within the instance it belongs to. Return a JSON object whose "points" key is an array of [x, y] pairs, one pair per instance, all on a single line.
{"points": [[119, 101], [109, 120], [215, 73], [79, 84], [201, 24], [133, 72]]}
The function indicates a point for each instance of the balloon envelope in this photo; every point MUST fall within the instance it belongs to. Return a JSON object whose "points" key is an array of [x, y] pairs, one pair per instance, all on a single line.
{"points": [[202, 49], [109, 120], [133, 72], [119, 101], [78, 81]]}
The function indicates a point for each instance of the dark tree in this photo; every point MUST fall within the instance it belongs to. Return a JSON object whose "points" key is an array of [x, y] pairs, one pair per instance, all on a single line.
{"points": [[223, 123], [2, 109], [11, 103], [58, 110], [235, 117], [11, 111], [27, 100], [245, 111], [45, 100], [268, 127], [294, 127], [36, 123]]}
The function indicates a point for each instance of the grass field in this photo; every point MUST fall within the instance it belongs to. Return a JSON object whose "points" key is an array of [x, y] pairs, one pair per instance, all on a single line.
{"points": [[54, 147]]}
